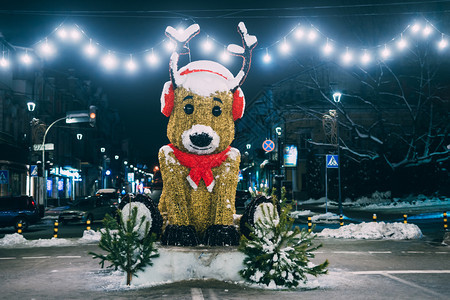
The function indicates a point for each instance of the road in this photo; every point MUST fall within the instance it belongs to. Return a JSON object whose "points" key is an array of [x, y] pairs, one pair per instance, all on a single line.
{"points": [[381, 269]]}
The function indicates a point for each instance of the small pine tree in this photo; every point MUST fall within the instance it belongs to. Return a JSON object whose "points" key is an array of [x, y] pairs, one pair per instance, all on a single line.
{"points": [[126, 250], [276, 254]]}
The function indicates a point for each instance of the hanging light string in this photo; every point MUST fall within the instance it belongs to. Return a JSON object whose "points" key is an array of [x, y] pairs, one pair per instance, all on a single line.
{"points": [[305, 31]]}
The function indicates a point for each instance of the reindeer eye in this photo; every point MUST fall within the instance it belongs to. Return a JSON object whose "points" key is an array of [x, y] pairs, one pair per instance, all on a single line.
{"points": [[189, 109], [216, 111]]}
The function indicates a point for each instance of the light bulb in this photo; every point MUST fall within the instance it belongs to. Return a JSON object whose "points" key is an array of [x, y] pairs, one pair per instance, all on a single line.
{"points": [[312, 36], [207, 45], [365, 58], [402, 44], [225, 57], [47, 49], [442, 44], [109, 61], [26, 59], [284, 47], [151, 58], [267, 58], [415, 28], [75, 34], [385, 53], [299, 33], [327, 49], [62, 33], [90, 49], [427, 31], [347, 57], [170, 46], [4, 62], [131, 65]]}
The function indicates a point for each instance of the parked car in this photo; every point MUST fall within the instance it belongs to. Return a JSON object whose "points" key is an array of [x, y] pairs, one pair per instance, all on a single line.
{"points": [[111, 194], [18, 209], [88, 208]]}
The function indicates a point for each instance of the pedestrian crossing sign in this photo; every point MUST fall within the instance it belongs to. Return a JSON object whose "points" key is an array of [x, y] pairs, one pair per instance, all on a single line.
{"points": [[4, 177], [332, 161], [34, 170]]}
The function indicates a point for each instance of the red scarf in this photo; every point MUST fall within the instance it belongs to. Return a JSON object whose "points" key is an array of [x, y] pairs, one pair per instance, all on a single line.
{"points": [[200, 166]]}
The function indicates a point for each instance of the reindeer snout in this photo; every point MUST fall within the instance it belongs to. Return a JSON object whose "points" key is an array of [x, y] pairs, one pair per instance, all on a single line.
{"points": [[200, 139]]}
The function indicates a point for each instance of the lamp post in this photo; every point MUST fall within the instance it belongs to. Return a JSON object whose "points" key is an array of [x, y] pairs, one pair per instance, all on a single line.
{"points": [[44, 175], [31, 107], [337, 100]]}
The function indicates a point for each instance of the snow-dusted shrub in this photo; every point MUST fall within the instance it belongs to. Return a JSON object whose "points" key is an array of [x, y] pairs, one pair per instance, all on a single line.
{"points": [[126, 249], [276, 255]]}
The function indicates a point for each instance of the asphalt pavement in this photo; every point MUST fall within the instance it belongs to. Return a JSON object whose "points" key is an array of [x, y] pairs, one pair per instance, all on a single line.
{"points": [[359, 269]]}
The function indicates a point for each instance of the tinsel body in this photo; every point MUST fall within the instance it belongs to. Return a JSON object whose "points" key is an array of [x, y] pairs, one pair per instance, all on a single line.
{"points": [[180, 203]]}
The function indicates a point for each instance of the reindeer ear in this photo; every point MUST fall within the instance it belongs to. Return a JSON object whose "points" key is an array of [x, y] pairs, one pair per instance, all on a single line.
{"points": [[238, 104], [167, 99]]}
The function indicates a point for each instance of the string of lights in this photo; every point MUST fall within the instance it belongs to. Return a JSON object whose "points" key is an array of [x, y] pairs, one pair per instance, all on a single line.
{"points": [[305, 32]]}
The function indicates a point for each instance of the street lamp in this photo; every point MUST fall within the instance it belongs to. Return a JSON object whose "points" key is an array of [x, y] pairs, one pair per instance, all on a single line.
{"points": [[337, 100], [31, 106]]}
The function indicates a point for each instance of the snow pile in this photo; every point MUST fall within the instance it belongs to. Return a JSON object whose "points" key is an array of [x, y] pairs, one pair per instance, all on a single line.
{"points": [[375, 199], [16, 240], [324, 218], [373, 230], [298, 213]]}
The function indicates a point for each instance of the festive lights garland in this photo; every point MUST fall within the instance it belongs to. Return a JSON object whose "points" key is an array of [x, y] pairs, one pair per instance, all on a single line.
{"points": [[330, 48]]}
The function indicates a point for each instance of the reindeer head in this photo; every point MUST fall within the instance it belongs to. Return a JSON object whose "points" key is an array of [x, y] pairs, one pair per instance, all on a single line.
{"points": [[203, 99]]}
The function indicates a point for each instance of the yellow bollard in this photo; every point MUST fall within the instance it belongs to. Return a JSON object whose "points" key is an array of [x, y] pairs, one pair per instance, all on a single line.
{"points": [[374, 217], [19, 228], [341, 220], [445, 221], [405, 219], [88, 224], [55, 229], [309, 224]]}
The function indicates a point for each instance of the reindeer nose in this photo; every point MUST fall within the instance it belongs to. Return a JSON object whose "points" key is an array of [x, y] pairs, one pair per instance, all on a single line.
{"points": [[200, 139]]}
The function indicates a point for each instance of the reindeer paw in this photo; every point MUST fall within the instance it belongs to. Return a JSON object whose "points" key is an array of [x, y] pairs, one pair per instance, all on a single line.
{"points": [[221, 235], [256, 210], [179, 235]]}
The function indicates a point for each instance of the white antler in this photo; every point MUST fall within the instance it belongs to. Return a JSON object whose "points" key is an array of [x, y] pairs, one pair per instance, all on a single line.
{"points": [[181, 38], [249, 43]]}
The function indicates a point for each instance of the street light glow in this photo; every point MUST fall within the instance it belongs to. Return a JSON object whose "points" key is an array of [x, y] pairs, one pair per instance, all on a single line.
{"points": [[337, 97]]}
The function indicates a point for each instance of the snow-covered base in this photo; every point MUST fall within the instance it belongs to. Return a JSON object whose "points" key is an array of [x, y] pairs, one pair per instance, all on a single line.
{"points": [[187, 263], [373, 230]]}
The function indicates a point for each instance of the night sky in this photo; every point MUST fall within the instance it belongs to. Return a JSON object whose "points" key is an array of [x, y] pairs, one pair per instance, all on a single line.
{"points": [[134, 26]]}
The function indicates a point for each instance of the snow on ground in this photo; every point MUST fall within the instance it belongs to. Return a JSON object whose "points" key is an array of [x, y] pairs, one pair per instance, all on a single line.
{"points": [[374, 230], [16, 240], [383, 200]]}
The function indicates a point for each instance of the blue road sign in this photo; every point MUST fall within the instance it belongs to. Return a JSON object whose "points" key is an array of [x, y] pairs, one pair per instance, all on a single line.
{"points": [[33, 170], [268, 145], [332, 161], [4, 176]]}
